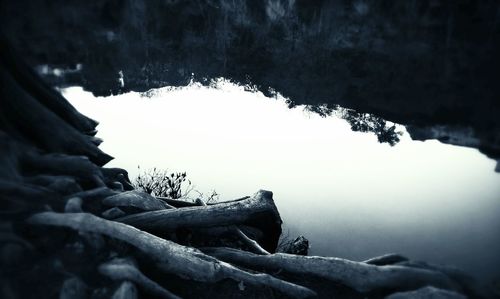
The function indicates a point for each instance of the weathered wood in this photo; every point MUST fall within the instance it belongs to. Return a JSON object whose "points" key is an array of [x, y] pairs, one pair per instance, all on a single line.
{"points": [[168, 256], [125, 269], [117, 186], [92, 199], [34, 85], [470, 285], [11, 237], [426, 293], [94, 194], [113, 213], [126, 290], [10, 153], [117, 175], [185, 202], [73, 288], [79, 167], [178, 203], [386, 259], [137, 199], [35, 197], [252, 244], [259, 211], [218, 231], [360, 276], [95, 140], [41, 126], [61, 184], [73, 205]]}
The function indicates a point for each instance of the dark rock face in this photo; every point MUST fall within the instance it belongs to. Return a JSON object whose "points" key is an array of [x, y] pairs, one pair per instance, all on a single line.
{"points": [[420, 63]]}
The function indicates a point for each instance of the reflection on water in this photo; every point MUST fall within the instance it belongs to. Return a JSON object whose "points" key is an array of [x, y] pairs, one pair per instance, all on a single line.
{"points": [[349, 194]]}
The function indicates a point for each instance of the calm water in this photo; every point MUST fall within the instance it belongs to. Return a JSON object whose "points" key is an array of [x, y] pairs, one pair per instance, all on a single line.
{"points": [[348, 194]]}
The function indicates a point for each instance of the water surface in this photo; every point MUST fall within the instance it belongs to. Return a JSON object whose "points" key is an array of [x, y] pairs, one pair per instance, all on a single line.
{"points": [[348, 194]]}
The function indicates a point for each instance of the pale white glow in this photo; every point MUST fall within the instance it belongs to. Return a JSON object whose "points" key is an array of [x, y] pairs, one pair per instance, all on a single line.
{"points": [[350, 195]]}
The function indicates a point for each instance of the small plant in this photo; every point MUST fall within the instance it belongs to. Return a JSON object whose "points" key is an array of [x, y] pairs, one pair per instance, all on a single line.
{"points": [[162, 183], [211, 198]]}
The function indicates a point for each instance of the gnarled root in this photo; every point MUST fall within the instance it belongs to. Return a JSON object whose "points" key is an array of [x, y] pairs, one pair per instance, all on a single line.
{"points": [[169, 257], [357, 275]]}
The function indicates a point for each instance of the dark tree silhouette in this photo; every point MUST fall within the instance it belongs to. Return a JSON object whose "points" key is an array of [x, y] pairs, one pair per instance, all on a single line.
{"points": [[364, 122]]}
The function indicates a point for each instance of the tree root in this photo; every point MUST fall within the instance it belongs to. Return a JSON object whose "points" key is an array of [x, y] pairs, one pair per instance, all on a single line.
{"points": [[169, 257], [136, 199], [386, 259], [124, 269], [126, 290], [357, 275]]}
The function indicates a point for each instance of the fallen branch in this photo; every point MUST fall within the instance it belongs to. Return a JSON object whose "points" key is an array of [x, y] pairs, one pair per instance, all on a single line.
{"points": [[254, 245], [258, 211]]}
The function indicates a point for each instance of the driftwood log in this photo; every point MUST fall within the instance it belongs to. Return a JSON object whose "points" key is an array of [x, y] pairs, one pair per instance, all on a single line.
{"points": [[254, 245], [258, 211]]}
